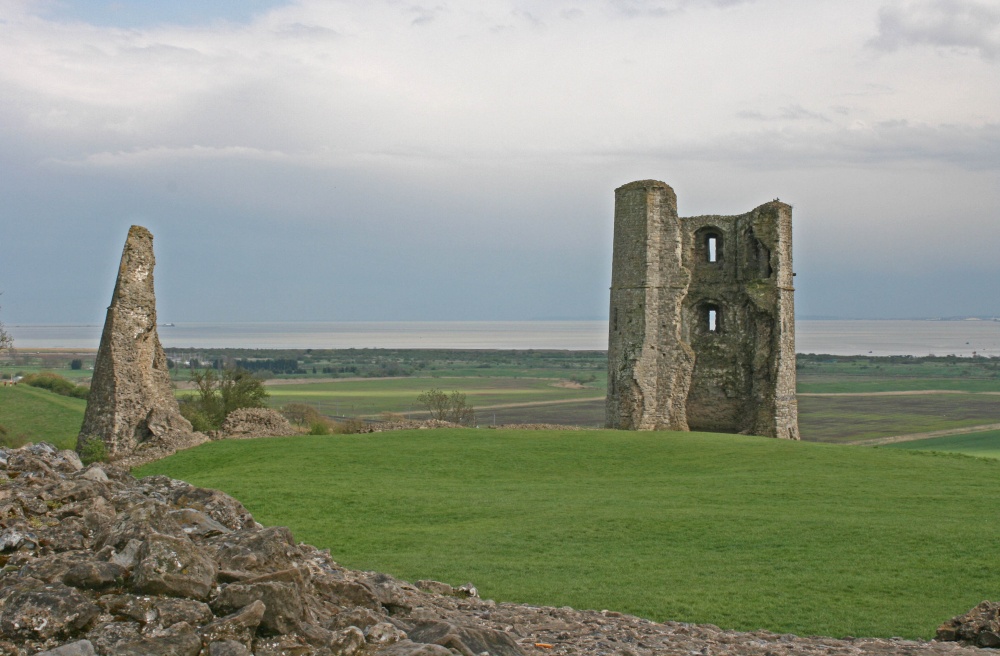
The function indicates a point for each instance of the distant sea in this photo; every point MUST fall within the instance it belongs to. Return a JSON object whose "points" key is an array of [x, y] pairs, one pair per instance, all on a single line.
{"points": [[888, 337]]}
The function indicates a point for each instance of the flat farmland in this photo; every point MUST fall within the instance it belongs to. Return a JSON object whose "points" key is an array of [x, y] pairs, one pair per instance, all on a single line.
{"points": [[368, 398], [852, 417], [982, 445]]}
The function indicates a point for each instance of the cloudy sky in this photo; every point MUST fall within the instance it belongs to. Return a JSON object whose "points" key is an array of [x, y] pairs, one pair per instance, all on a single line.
{"points": [[456, 160]]}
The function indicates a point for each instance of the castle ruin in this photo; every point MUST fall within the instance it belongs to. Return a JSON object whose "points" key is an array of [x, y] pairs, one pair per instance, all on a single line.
{"points": [[131, 406], [702, 322]]}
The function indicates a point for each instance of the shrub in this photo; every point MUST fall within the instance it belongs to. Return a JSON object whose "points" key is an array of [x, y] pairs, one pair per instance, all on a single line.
{"points": [[217, 396], [448, 407], [93, 450], [319, 427], [57, 384], [348, 426], [76, 364], [300, 414]]}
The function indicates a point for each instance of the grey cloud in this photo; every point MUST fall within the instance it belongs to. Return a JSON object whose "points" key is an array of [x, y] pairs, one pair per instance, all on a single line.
{"points": [[659, 8], [896, 141], [961, 24], [788, 113]]}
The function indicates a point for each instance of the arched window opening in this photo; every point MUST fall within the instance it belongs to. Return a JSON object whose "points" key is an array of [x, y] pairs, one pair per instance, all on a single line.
{"points": [[709, 245], [711, 318]]}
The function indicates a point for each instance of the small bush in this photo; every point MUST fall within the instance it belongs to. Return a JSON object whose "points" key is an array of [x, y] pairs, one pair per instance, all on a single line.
{"points": [[348, 427], [93, 450], [301, 414], [57, 384], [76, 364], [319, 427]]}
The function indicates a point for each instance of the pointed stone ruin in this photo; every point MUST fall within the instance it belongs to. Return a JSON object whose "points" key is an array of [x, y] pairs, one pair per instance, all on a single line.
{"points": [[132, 408]]}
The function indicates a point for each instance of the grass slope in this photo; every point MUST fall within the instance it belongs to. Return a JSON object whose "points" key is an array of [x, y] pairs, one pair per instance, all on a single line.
{"points": [[31, 414], [983, 445], [742, 532]]}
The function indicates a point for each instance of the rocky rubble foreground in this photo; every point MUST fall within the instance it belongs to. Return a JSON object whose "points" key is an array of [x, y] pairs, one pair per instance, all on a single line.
{"points": [[97, 562]]}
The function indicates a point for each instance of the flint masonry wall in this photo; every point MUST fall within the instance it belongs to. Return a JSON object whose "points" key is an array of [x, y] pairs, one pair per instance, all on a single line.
{"points": [[702, 322]]}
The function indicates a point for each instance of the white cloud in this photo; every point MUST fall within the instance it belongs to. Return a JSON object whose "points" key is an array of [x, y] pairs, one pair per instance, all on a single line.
{"points": [[963, 25]]}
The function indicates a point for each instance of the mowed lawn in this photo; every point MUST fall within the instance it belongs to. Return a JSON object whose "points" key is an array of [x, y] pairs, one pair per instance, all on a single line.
{"points": [[742, 532], [371, 397], [31, 414]]}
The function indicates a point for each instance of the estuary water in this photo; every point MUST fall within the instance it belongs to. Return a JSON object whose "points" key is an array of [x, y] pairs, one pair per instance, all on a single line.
{"points": [[882, 337]]}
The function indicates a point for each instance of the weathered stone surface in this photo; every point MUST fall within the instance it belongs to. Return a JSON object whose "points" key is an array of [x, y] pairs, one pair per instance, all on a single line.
{"points": [[239, 627], [131, 404], [173, 566], [702, 329], [283, 603], [178, 640], [980, 626], [78, 648], [246, 423], [95, 575], [410, 648], [228, 648], [45, 612], [468, 641]]}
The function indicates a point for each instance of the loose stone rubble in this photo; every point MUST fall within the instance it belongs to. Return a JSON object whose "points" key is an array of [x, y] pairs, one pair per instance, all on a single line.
{"points": [[97, 562], [980, 626], [246, 423], [131, 407]]}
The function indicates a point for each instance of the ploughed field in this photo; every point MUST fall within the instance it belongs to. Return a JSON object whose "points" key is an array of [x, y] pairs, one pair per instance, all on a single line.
{"points": [[742, 532]]}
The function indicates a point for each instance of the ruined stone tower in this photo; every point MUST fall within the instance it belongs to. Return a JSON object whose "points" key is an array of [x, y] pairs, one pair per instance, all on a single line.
{"points": [[702, 323], [131, 404]]}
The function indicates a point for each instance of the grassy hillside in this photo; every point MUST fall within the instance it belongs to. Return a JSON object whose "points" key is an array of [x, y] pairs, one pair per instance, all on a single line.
{"points": [[738, 531], [30, 414]]}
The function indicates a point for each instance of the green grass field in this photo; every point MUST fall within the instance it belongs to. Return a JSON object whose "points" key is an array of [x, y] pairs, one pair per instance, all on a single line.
{"points": [[983, 445], [30, 414], [741, 532]]}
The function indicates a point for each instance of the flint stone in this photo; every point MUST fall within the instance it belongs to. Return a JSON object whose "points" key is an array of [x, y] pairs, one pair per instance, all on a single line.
{"points": [[468, 641], [283, 604], [197, 524], [267, 550], [138, 521], [78, 648], [94, 575], [178, 640], [384, 633], [94, 472], [128, 556], [228, 648], [218, 505], [174, 567], [346, 593], [980, 626], [350, 641], [238, 627], [47, 611], [410, 648], [156, 611], [109, 635], [53, 568], [131, 401]]}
